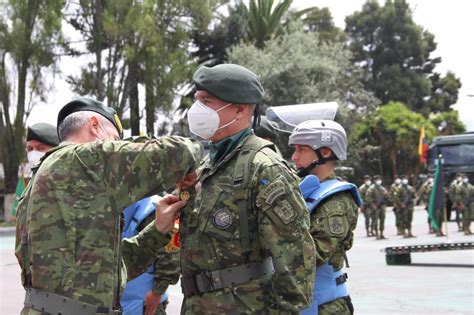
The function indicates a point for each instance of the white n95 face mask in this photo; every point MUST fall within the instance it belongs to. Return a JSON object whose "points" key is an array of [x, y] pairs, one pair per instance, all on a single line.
{"points": [[204, 121], [34, 157]]}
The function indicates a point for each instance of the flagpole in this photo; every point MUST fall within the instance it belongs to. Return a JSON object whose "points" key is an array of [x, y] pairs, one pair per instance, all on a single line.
{"points": [[440, 161]]}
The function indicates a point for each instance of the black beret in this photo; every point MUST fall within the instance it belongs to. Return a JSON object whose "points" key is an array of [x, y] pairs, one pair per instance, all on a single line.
{"points": [[231, 83], [265, 129], [44, 133], [367, 177], [87, 104]]}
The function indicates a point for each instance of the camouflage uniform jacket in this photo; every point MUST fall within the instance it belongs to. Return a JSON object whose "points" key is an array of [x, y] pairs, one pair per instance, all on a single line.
{"points": [[404, 196], [363, 191], [425, 192], [461, 193], [393, 192], [70, 214], [332, 226], [278, 226], [375, 196], [166, 263]]}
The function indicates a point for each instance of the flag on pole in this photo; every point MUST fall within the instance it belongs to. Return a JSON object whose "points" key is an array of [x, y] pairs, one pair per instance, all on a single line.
{"points": [[422, 146], [20, 187], [437, 202]]}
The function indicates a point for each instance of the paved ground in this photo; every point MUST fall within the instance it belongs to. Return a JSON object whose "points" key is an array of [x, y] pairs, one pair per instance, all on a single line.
{"points": [[435, 283]]}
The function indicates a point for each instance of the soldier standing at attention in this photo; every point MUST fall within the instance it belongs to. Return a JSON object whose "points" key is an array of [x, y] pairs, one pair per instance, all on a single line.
{"points": [[333, 206], [364, 208], [461, 198], [424, 195], [454, 196], [376, 199], [405, 205], [469, 211], [392, 195], [69, 217], [245, 241]]}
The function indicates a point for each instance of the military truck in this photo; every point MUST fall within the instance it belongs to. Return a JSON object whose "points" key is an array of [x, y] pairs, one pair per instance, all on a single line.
{"points": [[458, 157]]}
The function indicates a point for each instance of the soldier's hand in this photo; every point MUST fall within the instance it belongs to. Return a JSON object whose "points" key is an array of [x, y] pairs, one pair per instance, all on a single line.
{"points": [[188, 181], [167, 210], [152, 301]]}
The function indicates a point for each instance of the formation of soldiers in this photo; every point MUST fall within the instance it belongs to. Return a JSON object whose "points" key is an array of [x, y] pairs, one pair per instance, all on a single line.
{"points": [[403, 198]]}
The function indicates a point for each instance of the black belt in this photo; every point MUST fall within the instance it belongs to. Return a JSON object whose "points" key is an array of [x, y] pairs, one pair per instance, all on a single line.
{"points": [[218, 279], [57, 304]]}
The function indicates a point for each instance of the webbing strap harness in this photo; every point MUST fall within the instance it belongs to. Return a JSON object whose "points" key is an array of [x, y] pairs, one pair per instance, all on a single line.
{"points": [[242, 172]]}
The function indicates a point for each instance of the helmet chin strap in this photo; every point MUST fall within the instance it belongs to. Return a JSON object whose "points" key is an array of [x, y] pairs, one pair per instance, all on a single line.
{"points": [[305, 171]]}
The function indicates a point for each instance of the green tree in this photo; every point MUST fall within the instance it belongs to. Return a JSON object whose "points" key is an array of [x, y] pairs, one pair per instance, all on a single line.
{"points": [[264, 21], [391, 133], [222, 33], [30, 37], [448, 123], [319, 20], [144, 43], [396, 55]]}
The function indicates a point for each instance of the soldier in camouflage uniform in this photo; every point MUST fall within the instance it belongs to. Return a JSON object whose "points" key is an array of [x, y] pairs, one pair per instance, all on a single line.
{"points": [[469, 211], [456, 205], [69, 218], [405, 205], [40, 138], [365, 209], [245, 241], [318, 144], [376, 199], [265, 130], [424, 194], [461, 199], [392, 196]]}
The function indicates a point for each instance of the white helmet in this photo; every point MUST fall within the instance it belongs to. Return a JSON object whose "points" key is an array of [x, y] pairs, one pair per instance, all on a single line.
{"points": [[321, 133]]}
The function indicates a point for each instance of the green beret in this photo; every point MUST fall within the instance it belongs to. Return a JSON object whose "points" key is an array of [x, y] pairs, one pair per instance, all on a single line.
{"points": [[265, 129], [229, 82], [44, 133], [87, 104]]}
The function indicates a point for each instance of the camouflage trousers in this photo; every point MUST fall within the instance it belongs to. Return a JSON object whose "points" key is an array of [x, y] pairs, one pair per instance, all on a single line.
{"points": [[406, 217], [367, 213], [341, 306], [377, 219], [468, 216]]}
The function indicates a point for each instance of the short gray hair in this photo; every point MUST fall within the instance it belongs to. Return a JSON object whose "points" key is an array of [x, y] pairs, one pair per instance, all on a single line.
{"points": [[73, 123]]}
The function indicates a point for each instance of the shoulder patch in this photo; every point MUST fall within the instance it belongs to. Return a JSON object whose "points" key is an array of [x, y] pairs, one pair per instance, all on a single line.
{"points": [[336, 226], [285, 212], [273, 190]]}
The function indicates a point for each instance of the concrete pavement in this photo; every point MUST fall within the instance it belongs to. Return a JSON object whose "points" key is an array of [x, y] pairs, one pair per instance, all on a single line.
{"points": [[435, 283]]}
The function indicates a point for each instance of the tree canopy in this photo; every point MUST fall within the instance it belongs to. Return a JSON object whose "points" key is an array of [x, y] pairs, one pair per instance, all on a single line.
{"points": [[397, 57]]}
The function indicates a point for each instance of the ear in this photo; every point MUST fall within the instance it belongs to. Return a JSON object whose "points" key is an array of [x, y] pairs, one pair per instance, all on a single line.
{"points": [[326, 152], [94, 125], [241, 110]]}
